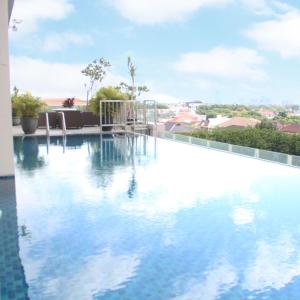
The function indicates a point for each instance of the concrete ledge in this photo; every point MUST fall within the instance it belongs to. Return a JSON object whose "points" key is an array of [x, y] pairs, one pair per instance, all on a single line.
{"points": [[7, 177], [18, 132]]}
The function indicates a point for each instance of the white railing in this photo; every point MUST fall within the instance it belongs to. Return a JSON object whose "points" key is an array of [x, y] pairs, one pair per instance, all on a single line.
{"points": [[63, 125], [47, 124], [282, 158], [126, 149], [121, 115]]}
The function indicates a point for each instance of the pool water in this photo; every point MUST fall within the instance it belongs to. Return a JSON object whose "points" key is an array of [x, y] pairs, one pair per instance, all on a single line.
{"points": [[133, 217]]}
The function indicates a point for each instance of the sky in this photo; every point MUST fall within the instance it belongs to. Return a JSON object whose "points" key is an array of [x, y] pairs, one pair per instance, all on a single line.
{"points": [[215, 51]]}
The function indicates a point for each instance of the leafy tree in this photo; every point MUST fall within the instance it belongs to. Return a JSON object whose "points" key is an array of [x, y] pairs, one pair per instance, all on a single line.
{"points": [[162, 106], [288, 119], [282, 114], [267, 139], [266, 124], [96, 72], [230, 110], [106, 93]]}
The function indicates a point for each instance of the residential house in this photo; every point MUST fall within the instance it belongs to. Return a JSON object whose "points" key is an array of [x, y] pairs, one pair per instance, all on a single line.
{"points": [[239, 122], [269, 114], [291, 128], [184, 121], [215, 122]]}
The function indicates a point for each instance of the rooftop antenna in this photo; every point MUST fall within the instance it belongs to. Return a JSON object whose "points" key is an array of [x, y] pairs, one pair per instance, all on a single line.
{"points": [[15, 23]]}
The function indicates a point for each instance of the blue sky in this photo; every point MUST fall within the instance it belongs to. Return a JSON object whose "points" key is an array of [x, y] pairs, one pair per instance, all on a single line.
{"points": [[220, 51]]}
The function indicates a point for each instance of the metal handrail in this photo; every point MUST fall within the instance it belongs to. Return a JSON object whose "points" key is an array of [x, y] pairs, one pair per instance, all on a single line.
{"points": [[64, 127], [47, 124], [136, 110]]}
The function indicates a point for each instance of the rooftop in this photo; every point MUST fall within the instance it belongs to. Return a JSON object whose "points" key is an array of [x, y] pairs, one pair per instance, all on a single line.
{"points": [[239, 122]]}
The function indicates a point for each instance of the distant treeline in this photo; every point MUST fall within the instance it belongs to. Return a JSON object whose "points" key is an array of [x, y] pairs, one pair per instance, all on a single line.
{"points": [[267, 139], [234, 110]]}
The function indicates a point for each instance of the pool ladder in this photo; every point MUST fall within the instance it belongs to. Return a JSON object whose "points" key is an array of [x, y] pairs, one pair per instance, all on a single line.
{"points": [[64, 127]]}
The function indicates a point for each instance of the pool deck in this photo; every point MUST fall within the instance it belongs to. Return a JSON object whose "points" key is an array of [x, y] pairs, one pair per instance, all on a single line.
{"points": [[17, 131]]}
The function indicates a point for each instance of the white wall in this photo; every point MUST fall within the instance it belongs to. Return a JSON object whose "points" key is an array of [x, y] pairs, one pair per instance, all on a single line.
{"points": [[6, 139]]}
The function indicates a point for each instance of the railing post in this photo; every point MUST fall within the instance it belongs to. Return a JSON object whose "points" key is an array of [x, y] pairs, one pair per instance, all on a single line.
{"points": [[134, 110], [64, 128], [100, 115], [47, 124], [155, 113], [145, 111], [48, 144]]}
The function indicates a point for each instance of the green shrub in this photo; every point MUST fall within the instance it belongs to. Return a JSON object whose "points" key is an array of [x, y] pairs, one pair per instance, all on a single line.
{"points": [[106, 93], [265, 138], [27, 106]]}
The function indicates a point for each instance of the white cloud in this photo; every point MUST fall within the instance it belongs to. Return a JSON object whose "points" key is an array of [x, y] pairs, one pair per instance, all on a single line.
{"points": [[223, 62], [161, 97], [60, 41], [101, 273], [259, 7], [275, 265], [243, 215], [46, 79], [159, 11], [32, 11], [218, 281], [279, 35], [170, 200], [205, 84]]}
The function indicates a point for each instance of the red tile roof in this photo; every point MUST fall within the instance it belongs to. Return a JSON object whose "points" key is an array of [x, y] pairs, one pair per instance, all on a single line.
{"points": [[240, 122], [291, 128], [185, 117], [267, 113], [57, 102]]}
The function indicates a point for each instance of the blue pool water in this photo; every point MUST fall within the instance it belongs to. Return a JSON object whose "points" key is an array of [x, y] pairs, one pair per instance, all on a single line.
{"points": [[138, 218]]}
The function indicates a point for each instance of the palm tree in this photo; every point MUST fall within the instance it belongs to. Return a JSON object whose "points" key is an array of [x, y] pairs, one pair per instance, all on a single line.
{"points": [[132, 72]]}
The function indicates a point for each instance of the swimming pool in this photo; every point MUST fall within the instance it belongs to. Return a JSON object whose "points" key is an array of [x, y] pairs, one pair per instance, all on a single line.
{"points": [[133, 217]]}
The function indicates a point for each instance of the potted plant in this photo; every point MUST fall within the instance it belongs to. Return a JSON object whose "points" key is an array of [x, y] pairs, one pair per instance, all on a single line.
{"points": [[107, 93], [27, 153], [69, 103], [28, 107]]}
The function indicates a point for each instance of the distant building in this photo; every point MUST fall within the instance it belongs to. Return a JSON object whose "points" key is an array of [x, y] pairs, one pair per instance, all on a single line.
{"points": [[239, 122], [215, 122], [179, 127], [269, 114], [184, 121], [186, 116], [193, 105]]}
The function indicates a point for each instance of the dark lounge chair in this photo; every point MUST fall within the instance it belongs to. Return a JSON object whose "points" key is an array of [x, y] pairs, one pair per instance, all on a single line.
{"points": [[90, 119], [73, 119], [52, 116]]}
